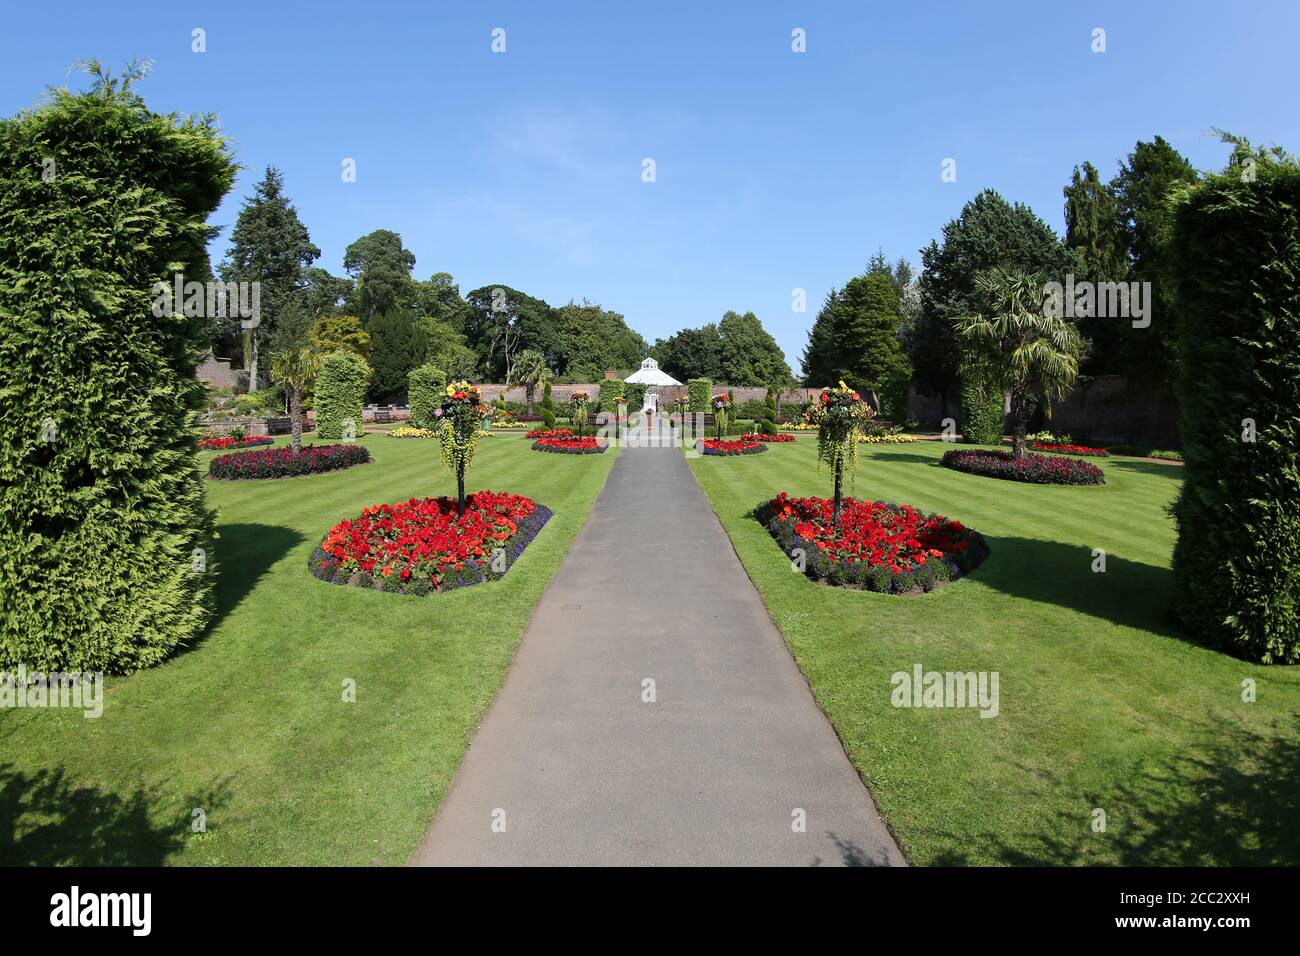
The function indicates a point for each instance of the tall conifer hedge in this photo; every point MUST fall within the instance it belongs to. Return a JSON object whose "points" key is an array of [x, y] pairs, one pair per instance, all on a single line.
{"points": [[1235, 252], [340, 394], [106, 559]]}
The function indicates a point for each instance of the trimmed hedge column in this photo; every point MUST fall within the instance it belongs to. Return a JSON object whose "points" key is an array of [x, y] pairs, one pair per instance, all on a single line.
{"points": [[1237, 281], [700, 392], [340, 392], [982, 414], [106, 554], [426, 390]]}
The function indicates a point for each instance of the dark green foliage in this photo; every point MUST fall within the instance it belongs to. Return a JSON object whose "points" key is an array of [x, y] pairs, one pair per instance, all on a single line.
{"points": [[894, 398], [767, 425], [819, 361], [864, 323], [981, 414], [397, 345], [593, 340], [691, 353], [381, 268], [700, 391], [520, 322], [426, 390], [99, 524], [750, 356], [1233, 253], [611, 394], [1096, 236], [340, 394], [990, 232]]}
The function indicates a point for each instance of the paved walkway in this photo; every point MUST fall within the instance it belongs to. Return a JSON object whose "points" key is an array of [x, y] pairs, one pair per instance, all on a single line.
{"points": [[713, 771]]}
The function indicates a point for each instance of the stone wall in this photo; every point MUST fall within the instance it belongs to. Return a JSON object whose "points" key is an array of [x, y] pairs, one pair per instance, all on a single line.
{"points": [[218, 372], [1103, 408]]}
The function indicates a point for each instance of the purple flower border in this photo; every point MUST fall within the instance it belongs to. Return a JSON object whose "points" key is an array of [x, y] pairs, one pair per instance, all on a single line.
{"points": [[1033, 468]]}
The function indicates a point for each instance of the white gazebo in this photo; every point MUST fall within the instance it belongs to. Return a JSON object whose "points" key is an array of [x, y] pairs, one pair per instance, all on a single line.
{"points": [[650, 375]]}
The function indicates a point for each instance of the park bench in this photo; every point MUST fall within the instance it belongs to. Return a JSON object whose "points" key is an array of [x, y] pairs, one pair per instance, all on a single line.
{"points": [[382, 415], [279, 426]]}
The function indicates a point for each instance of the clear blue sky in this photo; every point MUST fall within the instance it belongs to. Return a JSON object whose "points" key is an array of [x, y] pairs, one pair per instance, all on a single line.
{"points": [[775, 170]]}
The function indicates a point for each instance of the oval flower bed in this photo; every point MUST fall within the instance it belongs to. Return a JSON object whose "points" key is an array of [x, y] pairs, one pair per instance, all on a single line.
{"points": [[283, 463], [876, 546], [1037, 469], [570, 446], [714, 446], [1081, 451], [228, 442], [779, 439], [549, 433], [422, 546]]}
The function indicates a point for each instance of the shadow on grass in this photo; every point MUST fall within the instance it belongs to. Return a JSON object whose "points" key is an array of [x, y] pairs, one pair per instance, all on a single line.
{"points": [[245, 552], [47, 821], [1174, 472], [1235, 803], [1128, 593]]}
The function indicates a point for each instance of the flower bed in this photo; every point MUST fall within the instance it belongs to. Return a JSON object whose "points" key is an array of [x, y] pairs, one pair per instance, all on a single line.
{"points": [[407, 431], [570, 445], [1080, 451], [537, 433], [422, 546], [715, 446], [1038, 469], [283, 463], [768, 438], [876, 546], [888, 439], [798, 427], [227, 442]]}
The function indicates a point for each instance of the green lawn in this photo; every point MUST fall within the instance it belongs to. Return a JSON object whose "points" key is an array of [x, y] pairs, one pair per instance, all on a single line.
{"points": [[250, 725], [1103, 703]]}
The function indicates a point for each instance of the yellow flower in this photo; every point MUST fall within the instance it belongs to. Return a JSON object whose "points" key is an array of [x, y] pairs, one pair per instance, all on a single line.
{"points": [[451, 390]]}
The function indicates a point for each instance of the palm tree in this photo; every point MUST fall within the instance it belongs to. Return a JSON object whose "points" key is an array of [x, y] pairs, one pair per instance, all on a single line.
{"points": [[529, 370], [296, 369], [1019, 344]]}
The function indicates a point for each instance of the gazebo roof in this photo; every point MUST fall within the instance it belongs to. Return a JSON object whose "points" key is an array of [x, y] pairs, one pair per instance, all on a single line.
{"points": [[649, 374]]}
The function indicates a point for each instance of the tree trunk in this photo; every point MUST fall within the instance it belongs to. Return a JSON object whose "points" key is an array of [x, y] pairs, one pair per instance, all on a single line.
{"points": [[528, 397], [1019, 419], [252, 362], [460, 487], [295, 415]]}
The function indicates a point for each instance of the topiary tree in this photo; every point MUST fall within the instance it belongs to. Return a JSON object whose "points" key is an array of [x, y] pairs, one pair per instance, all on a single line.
{"points": [[426, 388], [340, 393], [105, 539], [1237, 284], [458, 436], [768, 423], [548, 407], [981, 412]]}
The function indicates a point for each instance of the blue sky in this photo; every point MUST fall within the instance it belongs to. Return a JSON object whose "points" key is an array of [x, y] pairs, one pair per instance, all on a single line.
{"points": [[774, 170]]}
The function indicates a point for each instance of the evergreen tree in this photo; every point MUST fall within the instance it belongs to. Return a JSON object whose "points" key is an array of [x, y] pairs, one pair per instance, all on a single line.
{"points": [[820, 361], [271, 246], [381, 267], [1094, 233], [396, 347], [750, 356], [864, 324]]}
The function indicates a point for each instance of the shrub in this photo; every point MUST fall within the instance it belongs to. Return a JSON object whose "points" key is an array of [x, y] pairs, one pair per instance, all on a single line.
{"points": [[547, 407], [874, 545], [893, 399], [284, 463], [340, 392], [611, 394], [767, 423], [422, 547], [103, 523], [426, 390], [1237, 280], [1036, 469], [700, 392], [981, 414]]}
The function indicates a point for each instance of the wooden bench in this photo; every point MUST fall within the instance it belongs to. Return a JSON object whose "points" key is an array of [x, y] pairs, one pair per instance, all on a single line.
{"points": [[382, 415], [279, 426]]}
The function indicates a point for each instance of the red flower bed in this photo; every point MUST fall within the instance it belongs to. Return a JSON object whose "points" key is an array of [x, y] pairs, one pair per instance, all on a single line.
{"points": [[876, 545], [570, 446], [283, 463], [549, 433], [228, 442], [723, 446], [767, 438], [423, 546], [1036, 469], [1082, 451]]}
